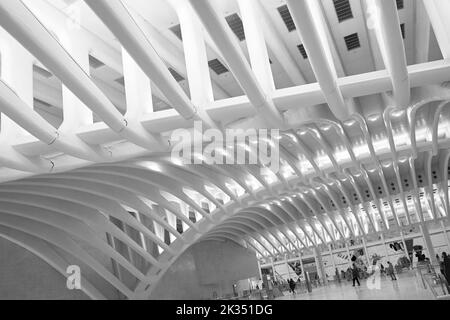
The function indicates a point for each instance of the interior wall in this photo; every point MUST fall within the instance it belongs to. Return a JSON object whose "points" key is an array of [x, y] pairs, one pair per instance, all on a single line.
{"points": [[25, 276], [205, 270]]}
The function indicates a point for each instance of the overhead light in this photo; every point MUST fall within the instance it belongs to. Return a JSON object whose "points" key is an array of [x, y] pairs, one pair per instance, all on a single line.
{"points": [[151, 165], [177, 31], [350, 122], [176, 161], [398, 113]]}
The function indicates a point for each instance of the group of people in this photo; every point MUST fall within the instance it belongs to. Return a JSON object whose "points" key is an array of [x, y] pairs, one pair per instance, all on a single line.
{"points": [[388, 271], [444, 265]]}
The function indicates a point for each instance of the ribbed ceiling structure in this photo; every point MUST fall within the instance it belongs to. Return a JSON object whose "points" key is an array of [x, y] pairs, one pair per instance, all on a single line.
{"points": [[91, 90]]}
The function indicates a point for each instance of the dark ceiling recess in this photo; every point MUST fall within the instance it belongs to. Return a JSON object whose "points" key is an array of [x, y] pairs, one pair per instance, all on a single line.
{"points": [[178, 77], [343, 9], [352, 41], [42, 72], [41, 102], [95, 63], [399, 4], [302, 50], [235, 23], [287, 18], [402, 28], [217, 66], [120, 81], [177, 31]]}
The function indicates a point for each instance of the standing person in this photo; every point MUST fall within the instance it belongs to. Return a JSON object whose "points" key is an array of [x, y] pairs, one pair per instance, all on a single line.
{"points": [[446, 261], [349, 273], [337, 276], [355, 275], [381, 268], [441, 264], [390, 271], [292, 285]]}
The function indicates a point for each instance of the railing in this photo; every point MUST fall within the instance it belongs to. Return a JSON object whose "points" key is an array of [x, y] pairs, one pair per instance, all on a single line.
{"points": [[434, 281]]}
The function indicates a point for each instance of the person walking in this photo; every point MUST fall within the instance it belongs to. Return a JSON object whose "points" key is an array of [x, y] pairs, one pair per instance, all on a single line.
{"points": [[355, 275], [390, 271]]}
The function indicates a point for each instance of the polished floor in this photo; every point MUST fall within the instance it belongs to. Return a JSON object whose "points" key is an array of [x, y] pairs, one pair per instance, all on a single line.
{"points": [[407, 287]]}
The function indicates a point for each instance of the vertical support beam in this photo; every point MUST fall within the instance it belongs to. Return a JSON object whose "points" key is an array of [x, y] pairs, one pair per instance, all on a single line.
{"points": [[256, 44], [429, 244], [223, 37], [348, 253], [404, 244], [137, 88], [287, 266], [17, 72], [384, 245], [301, 264], [366, 252], [195, 54], [332, 258], [320, 267], [259, 270], [318, 49], [273, 268], [422, 33], [393, 50], [278, 47], [75, 112]]}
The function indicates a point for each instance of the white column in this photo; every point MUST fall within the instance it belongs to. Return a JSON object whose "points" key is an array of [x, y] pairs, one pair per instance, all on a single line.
{"points": [[301, 264], [366, 252], [138, 90], [384, 245], [422, 33], [428, 243], [259, 270], [75, 113], [256, 44], [17, 72], [320, 267], [273, 268], [288, 267], [348, 253], [332, 258], [195, 54]]}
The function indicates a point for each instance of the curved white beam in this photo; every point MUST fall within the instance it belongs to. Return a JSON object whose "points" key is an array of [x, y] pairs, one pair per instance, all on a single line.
{"points": [[228, 46], [316, 47], [120, 21], [393, 50], [21, 23]]}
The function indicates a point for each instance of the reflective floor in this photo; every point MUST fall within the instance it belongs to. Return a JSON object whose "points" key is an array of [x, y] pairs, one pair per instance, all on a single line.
{"points": [[377, 287]]}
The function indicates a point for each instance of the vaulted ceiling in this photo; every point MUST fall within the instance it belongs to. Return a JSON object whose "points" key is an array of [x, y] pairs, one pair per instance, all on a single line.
{"points": [[91, 91]]}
